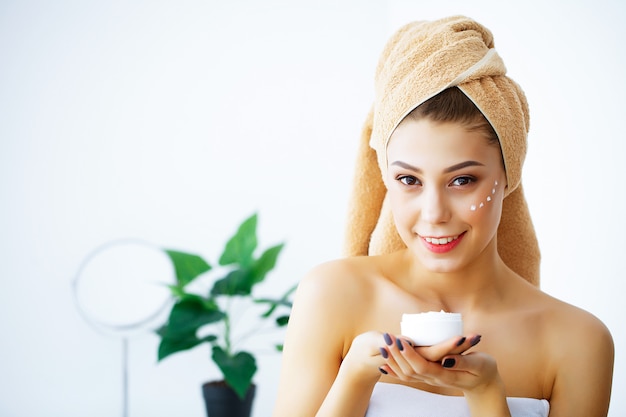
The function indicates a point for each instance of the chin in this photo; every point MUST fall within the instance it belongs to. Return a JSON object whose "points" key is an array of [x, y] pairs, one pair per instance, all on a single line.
{"points": [[440, 266], [442, 263]]}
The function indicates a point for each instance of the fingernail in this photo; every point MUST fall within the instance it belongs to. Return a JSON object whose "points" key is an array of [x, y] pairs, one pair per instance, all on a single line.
{"points": [[461, 341], [448, 363], [383, 353], [475, 340], [382, 371], [399, 344], [387, 339]]}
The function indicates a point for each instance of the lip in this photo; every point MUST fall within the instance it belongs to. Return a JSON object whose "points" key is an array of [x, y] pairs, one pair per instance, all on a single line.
{"points": [[442, 248]]}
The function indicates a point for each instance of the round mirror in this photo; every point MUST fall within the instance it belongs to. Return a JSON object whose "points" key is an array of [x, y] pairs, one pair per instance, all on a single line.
{"points": [[122, 285]]}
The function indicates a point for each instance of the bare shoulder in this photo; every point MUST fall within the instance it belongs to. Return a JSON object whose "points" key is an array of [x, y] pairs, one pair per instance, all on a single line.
{"points": [[579, 351], [334, 280], [343, 288], [564, 326], [566, 322]]}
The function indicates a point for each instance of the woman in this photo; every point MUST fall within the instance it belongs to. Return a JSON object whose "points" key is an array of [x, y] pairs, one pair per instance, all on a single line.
{"points": [[448, 229]]}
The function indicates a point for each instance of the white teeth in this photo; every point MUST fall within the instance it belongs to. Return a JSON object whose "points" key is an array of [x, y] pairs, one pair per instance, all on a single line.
{"points": [[440, 241]]}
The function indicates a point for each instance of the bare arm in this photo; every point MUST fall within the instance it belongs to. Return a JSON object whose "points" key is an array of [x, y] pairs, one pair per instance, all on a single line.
{"points": [[584, 369], [315, 378], [351, 391]]}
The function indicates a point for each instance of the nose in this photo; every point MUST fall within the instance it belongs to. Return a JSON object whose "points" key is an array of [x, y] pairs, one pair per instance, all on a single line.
{"points": [[434, 206]]}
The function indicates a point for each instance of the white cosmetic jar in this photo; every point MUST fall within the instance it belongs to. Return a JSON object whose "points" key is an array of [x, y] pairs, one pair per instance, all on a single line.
{"points": [[432, 327]]}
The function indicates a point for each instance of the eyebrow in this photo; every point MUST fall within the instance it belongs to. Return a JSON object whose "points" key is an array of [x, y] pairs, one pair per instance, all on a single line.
{"points": [[452, 168]]}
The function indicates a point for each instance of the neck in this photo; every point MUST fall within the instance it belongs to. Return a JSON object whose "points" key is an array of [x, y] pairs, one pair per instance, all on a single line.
{"points": [[480, 285]]}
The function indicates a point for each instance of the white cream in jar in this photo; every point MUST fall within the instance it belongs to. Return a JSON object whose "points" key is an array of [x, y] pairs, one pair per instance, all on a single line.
{"points": [[432, 327]]}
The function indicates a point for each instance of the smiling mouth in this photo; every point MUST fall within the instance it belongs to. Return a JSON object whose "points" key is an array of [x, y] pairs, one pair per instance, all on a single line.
{"points": [[440, 240]]}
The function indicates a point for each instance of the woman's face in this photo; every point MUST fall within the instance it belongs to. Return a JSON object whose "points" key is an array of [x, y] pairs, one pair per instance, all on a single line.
{"points": [[445, 186]]}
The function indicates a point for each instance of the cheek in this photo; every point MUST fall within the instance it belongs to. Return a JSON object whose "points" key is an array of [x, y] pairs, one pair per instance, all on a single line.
{"points": [[485, 198], [404, 210], [398, 204], [485, 206]]}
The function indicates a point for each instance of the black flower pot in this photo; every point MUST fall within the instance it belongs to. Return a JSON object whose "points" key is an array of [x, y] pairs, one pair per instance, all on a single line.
{"points": [[222, 401]]}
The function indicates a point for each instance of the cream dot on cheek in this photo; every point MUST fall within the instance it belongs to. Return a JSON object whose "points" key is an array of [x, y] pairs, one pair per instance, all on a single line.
{"points": [[481, 204]]}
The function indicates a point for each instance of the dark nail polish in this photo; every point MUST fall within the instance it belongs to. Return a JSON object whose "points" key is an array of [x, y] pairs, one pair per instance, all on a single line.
{"points": [[475, 340], [449, 363], [461, 341], [387, 339], [399, 344], [382, 371], [383, 353]]}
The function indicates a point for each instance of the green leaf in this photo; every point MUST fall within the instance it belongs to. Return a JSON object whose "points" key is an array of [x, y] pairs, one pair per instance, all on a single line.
{"points": [[187, 266], [238, 370], [177, 291], [241, 280], [237, 282], [241, 246], [266, 262], [274, 304], [189, 314], [169, 346], [282, 321]]}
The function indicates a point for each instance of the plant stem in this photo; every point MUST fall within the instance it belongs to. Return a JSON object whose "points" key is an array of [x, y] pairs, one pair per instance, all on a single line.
{"points": [[261, 329], [227, 334], [227, 337]]}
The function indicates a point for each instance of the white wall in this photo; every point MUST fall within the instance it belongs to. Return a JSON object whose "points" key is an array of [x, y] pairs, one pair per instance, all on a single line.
{"points": [[172, 121]]}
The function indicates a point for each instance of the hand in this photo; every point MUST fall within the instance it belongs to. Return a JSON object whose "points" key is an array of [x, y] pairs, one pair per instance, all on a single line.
{"points": [[364, 358], [453, 346], [443, 365]]}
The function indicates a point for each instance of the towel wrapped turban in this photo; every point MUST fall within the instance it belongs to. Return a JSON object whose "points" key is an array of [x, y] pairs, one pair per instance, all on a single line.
{"points": [[419, 61]]}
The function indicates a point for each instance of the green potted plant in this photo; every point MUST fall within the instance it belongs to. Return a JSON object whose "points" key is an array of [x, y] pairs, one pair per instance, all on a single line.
{"points": [[196, 311]]}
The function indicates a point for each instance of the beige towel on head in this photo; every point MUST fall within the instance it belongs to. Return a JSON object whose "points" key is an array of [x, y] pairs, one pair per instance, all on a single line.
{"points": [[419, 61]]}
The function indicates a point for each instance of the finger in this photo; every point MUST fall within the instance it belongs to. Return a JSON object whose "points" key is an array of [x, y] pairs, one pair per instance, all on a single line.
{"points": [[465, 344], [452, 346], [475, 363], [392, 352], [470, 370], [405, 363], [386, 370]]}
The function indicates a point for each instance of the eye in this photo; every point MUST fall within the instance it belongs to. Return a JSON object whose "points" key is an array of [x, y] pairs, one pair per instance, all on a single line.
{"points": [[462, 181], [408, 180]]}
